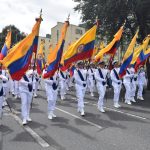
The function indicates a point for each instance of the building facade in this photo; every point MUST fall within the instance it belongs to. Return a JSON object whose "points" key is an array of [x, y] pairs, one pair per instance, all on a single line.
{"points": [[73, 34]]}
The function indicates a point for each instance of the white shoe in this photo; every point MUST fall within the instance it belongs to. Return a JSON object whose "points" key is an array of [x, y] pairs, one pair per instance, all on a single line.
{"points": [[116, 106], [82, 113], [50, 116], [92, 94], [133, 100], [62, 97], [24, 122], [4, 103], [35, 95], [53, 115], [102, 110], [16, 96], [141, 98], [129, 103], [29, 119]]}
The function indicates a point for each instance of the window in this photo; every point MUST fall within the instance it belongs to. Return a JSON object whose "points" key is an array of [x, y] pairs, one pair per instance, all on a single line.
{"points": [[79, 31]]}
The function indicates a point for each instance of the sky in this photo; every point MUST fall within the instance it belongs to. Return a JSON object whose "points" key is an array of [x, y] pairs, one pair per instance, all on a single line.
{"points": [[22, 14]]}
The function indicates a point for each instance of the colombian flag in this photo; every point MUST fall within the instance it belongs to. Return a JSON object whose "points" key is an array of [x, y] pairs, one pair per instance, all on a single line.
{"points": [[142, 58], [6, 46], [128, 56], [55, 55], [40, 63], [18, 59], [112, 46], [138, 50], [81, 49]]}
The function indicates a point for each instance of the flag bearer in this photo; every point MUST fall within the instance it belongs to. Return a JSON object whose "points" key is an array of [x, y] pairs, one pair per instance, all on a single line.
{"points": [[100, 76], [52, 93], [141, 79], [80, 76], [116, 83], [127, 79], [25, 89], [2, 78], [62, 83]]}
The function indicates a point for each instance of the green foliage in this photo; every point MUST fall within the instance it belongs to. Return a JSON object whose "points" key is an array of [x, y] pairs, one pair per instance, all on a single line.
{"points": [[113, 13], [16, 35]]}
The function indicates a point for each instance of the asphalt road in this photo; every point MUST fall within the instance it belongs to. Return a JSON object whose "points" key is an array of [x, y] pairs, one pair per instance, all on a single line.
{"points": [[127, 128]]}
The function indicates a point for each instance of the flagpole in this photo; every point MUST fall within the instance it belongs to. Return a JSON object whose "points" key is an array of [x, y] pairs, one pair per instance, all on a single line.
{"points": [[34, 66]]}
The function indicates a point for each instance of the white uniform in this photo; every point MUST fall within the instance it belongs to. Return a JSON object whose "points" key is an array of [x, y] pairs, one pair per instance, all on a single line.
{"points": [[5, 83], [101, 86], [91, 79], [16, 92], [80, 85], [2, 78], [52, 93], [127, 83], [133, 84], [141, 79], [62, 84], [116, 83], [26, 96]]}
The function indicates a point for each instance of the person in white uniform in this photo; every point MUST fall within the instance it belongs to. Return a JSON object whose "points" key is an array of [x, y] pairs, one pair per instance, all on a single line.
{"points": [[116, 83], [2, 78], [133, 83], [100, 76], [25, 89], [127, 79], [52, 93], [80, 76], [91, 78], [141, 79], [62, 83]]}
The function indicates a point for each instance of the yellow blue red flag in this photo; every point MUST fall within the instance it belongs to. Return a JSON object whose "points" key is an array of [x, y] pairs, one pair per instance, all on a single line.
{"points": [[128, 56], [112, 46], [56, 54], [18, 59], [81, 49], [6, 46]]}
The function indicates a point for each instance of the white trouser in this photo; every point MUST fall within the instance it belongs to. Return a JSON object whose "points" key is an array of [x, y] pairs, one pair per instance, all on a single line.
{"points": [[16, 92], [62, 88], [35, 86], [133, 88], [128, 90], [117, 89], [26, 99], [1, 104], [52, 98], [91, 85], [12, 86], [6, 89], [101, 91], [80, 93], [140, 90]]}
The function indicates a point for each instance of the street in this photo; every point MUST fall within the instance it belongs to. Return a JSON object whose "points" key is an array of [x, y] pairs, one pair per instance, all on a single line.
{"points": [[127, 128]]}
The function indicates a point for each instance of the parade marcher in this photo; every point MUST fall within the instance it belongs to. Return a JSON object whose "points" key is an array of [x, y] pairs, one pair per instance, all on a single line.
{"points": [[52, 93], [133, 83], [62, 83], [80, 76], [26, 89], [141, 79], [91, 79], [100, 76], [127, 79], [2, 79], [116, 83]]}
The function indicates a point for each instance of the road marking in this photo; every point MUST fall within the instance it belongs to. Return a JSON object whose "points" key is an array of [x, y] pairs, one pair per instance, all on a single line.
{"points": [[125, 113], [89, 122], [39, 140]]}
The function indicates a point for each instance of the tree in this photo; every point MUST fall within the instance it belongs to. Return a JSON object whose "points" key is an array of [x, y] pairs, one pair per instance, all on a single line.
{"points": [[16, 35], [112, 14]]}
